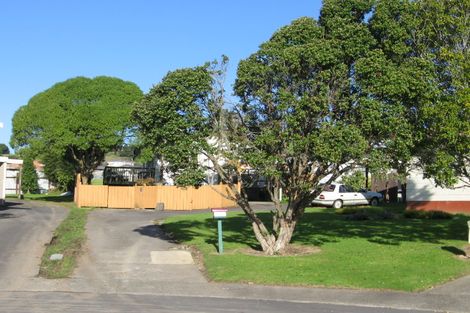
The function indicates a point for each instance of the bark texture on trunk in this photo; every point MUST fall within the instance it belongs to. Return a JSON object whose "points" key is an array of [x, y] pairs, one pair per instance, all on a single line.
{"points": [[271, 242]]}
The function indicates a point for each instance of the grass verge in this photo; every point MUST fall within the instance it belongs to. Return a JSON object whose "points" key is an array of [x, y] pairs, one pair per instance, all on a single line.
{"points": [[385, 251], [68, 240], [53, 196]]}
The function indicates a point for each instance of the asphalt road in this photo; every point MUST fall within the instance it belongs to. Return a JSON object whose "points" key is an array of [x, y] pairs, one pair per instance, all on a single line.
{"points": [[25, 228], [50, 302]]}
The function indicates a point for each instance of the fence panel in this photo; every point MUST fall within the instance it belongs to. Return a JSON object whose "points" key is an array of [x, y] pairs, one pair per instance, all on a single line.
{"points": [[146, 197], [92, 196], [172, 197], [121, 197]]}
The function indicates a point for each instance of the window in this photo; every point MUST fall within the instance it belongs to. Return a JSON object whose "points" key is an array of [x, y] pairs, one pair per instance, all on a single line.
{"points": [[329, 188]]}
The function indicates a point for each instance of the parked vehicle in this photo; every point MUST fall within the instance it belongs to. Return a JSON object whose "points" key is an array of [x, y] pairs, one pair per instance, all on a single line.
{"points": [[339, 195]]}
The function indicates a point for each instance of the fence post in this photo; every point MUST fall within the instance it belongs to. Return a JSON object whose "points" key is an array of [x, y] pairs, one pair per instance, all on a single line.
{"points": [[76, 196]]}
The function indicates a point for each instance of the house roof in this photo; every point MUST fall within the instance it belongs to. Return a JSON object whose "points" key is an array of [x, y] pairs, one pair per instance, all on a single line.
{"points": [[10, 161]]}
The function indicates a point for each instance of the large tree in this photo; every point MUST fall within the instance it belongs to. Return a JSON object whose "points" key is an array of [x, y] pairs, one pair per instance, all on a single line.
{"points": [[298, 122], [74, 123], [317, 99], [423, 65]]}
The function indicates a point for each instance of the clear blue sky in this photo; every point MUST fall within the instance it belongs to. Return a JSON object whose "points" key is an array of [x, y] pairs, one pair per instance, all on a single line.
{"points": [[48, 41]]}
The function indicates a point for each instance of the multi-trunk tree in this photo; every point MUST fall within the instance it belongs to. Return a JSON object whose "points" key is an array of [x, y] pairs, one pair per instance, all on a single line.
{"points": [[316, 100], [71, 125], [301, 117]]}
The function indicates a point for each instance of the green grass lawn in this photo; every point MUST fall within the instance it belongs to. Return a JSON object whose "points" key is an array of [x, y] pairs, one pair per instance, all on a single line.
{"points": [[53, 196], [68, 240], [97, 181], [402, 254]]}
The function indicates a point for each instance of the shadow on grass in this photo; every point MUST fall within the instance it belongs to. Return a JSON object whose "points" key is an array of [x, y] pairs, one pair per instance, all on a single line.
{"points": [[318, 228], [454, 250]]}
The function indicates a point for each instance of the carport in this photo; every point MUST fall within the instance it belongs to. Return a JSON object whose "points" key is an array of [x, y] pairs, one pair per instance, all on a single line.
{"points": [[4, 162]]}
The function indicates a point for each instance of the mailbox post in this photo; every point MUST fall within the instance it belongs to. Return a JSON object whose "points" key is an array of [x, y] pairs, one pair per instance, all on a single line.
{"points": [[468, 223], [219, 215]]}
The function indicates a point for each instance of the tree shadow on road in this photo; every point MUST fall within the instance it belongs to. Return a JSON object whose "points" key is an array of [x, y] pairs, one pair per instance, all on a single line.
{"points": [[154, 231]]}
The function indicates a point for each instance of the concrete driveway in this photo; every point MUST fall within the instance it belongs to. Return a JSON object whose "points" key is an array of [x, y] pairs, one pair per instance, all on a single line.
{"points": [[25, 228], [126, 252]]}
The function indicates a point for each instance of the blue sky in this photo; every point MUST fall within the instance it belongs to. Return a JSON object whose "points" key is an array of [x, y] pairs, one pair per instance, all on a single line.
{"points": [[48, 41]]}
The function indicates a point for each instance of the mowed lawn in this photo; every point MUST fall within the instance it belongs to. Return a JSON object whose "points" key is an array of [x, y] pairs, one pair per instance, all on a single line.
{"points": [[401, 253]]}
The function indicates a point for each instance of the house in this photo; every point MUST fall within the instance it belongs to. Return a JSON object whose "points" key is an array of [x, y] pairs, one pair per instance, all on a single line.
{"points": [[13, 177], [423, 194], [43, 183], [5, 163]]}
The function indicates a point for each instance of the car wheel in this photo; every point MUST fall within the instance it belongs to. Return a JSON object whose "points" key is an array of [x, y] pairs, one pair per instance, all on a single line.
{"points": [[374, 201], [338, 204]]}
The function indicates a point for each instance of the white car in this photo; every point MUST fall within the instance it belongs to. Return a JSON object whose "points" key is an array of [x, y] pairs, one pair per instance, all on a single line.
{"points": [[339, 195]]}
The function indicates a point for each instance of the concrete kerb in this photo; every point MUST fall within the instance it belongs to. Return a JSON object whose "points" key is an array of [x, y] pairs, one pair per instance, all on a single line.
{"points": [[449, 297], [436, 300]]}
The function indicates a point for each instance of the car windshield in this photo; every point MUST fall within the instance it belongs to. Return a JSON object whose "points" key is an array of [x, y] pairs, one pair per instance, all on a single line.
{"points": [[329, 188]]}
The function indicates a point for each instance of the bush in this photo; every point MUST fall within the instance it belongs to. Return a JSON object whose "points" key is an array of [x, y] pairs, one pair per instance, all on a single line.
{"points": [[431, 215], [358, 216], [386, 215], [350, 210], [146, 182], [29, 177], [356, 180]]}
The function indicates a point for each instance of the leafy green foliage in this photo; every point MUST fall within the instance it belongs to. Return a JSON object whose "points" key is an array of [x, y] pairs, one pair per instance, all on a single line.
{"points": [[432, 215], [60, 172], [371, 83], [356, 180], [4, 149], [172, 121], [74, 123], [29, 177], [422, 63]]}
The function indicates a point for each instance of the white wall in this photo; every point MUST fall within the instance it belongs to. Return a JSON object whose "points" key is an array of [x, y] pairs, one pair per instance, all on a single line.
{"points": [[3, 173], [424, 189], [43, 182], [10, 183]]}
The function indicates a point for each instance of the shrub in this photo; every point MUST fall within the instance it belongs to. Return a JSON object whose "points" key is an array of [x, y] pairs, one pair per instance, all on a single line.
{"points": [[386, 215], [350, 210], [431, 215], [146, 182], [358, 216]]}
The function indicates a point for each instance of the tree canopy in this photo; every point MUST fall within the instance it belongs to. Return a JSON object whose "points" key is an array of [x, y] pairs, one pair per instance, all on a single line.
{"points": [[71, 125], [4, 149], [379, 84], [29, 176]]}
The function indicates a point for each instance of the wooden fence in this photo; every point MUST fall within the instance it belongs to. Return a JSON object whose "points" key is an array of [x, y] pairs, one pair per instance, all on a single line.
{"points": [[147, 197]]}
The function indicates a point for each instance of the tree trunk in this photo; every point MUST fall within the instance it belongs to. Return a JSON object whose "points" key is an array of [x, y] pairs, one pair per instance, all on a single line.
{"points": [[271, 243], [86, 178], [274, 242]]}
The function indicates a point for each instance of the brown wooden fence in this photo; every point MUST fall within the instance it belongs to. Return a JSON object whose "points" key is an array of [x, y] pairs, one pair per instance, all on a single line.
{"points": [[147, 197]]}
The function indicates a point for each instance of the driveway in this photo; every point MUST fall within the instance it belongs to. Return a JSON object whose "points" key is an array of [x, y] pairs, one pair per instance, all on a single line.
{"points": [[25, 228], [126, 252]]}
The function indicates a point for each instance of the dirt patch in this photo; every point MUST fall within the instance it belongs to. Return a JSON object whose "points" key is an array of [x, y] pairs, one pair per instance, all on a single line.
{"points": [[466, 249], [291, 250]]}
